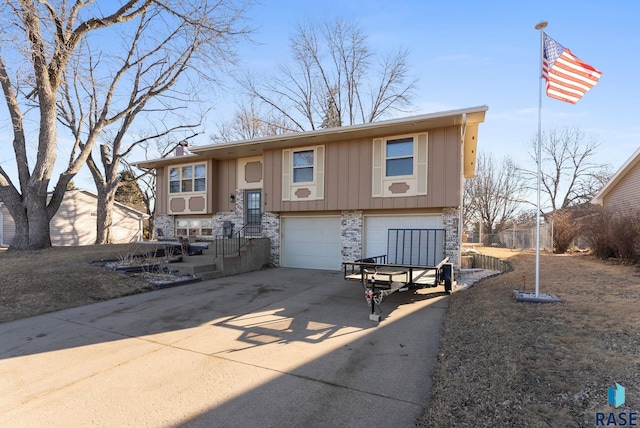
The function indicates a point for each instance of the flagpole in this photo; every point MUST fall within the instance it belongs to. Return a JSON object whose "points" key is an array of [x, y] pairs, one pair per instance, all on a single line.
{"points": [[540, 26]]}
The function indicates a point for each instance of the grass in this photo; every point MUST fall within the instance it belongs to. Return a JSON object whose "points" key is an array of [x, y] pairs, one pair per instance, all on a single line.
{"points": [[507, 363], [501, 362]]}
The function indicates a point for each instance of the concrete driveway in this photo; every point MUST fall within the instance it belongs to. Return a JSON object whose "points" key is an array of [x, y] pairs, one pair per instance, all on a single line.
{"points": [[274, 348]]}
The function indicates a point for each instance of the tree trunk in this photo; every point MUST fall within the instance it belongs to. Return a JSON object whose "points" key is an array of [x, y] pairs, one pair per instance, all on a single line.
{"points": [[31, 219], [104, 224], [21, 238]]}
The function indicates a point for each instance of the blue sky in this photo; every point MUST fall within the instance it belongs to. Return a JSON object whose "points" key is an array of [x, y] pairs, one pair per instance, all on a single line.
{"points": [[470, 53]]}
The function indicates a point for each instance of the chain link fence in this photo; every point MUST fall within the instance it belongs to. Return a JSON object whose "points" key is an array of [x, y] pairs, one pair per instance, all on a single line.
{"points": [[517, 237]]}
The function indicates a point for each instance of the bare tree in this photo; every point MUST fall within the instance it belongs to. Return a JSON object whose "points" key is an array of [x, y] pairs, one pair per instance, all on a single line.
{"points": [[334, 75], [251, 122], [159, 148], [60, 70], [494, 196], [570, 172]]}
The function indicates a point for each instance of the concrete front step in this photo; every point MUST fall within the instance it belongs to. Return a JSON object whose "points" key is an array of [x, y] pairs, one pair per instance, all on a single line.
{"points": [[252, 256], [195, 266], [211, 275]]}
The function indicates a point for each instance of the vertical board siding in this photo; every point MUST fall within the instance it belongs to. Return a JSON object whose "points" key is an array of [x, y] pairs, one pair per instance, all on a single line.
{"points": [[227, 178], [162, 190], [348, 177]]}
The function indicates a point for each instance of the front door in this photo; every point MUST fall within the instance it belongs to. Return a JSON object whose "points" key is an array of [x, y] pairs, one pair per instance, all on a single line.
{"points": [[252, 212]]}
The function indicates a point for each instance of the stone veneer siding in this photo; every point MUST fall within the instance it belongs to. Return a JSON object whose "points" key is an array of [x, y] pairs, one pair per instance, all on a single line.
{"points": [[166, 223], [351, 235], [271, 230], [451, 223], [236, 216], [270, 224]]}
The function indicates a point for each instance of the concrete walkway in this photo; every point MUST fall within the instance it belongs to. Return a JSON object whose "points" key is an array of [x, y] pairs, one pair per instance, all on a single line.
{"points": [[274, 348]]}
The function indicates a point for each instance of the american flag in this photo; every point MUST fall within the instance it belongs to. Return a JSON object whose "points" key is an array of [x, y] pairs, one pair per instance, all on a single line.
{"points": [[568, 77]]}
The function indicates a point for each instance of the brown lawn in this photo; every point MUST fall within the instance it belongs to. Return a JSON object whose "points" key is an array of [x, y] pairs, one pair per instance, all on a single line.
{"points": [[507, 363], [501, 362]]}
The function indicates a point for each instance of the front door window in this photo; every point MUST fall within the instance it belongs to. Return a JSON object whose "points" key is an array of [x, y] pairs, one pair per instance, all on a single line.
{"points": [[253, 212]]}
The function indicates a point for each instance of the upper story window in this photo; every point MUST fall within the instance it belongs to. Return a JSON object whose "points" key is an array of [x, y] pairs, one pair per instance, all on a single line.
{"points": [[399, 165], [303, 166], [188, 178], [399, 157], [303, 173]]}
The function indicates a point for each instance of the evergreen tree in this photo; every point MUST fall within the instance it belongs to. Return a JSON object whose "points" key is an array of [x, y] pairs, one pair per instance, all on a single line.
{"points": [[129, 192]]}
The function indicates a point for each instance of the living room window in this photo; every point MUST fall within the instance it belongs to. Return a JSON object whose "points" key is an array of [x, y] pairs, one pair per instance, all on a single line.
{"points": [[399, 157], [188, 178], [303, 166]]}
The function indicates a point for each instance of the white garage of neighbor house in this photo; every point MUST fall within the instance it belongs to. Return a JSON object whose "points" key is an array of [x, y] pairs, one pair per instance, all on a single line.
{"points": [[75, 221]]}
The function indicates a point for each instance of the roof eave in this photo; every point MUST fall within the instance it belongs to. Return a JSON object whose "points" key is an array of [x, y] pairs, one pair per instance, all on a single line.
{"points": [[246, 148]]}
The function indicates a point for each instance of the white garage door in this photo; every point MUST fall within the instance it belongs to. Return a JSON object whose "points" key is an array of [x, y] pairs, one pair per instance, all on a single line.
{"points": [[377, 232], [311, 243]]}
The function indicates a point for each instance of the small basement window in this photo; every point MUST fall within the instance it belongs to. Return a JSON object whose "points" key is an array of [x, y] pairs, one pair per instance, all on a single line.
{"points": [[194, 227]]}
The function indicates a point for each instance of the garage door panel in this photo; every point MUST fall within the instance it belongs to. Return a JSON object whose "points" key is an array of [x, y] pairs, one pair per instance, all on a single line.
{"points": [[311, 242]]}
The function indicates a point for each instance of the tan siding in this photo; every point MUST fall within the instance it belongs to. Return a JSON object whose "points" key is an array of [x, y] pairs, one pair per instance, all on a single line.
{"points": [[626, 194], [267, 177], [353, 170], [213, 189], [227, 178], [162, 190], [348, 177], [332, 157], [365, 183]]}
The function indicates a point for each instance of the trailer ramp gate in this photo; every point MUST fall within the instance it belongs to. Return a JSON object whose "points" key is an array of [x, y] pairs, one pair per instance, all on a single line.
{"points": [[415, 259], [417, 247]]}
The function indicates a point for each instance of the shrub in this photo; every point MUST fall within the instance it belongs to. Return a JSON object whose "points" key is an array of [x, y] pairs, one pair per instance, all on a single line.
{"points": [[594, 232], [614, 233], [564, 231]]}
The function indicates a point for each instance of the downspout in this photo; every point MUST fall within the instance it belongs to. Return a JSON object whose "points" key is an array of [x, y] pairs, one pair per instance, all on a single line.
{"points": [[463, 132], [1, 226]]}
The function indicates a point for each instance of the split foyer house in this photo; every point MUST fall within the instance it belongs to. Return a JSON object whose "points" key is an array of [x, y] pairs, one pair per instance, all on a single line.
{"points": [[330, 195]]}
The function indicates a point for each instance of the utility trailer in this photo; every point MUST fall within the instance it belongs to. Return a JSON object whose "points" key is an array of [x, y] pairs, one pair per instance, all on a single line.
{"points": [[414, 259], [380, 279]]}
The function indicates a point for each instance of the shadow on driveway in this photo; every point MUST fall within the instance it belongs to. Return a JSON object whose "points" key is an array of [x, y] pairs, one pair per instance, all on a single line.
{"points": [[282, 347]]}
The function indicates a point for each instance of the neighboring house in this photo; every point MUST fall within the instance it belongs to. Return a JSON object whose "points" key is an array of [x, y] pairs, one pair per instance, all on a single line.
{"points": [[75, 221], [329, 195], [622, 192]]}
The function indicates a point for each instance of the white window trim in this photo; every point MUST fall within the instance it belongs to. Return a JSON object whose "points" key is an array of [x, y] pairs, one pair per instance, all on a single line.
{"points": [[314, 166], [316, 186], [414, 156], [188, 228], [193, 178], [417, 181]]}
